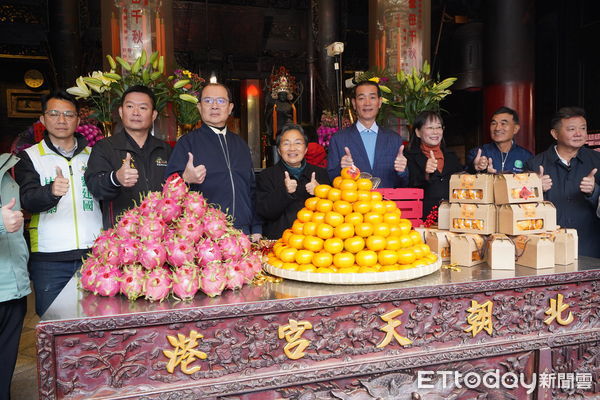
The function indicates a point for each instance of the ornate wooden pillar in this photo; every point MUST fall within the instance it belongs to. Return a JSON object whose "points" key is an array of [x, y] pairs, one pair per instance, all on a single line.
{"points": [[326, 13], [65, 44], [508, 65]]}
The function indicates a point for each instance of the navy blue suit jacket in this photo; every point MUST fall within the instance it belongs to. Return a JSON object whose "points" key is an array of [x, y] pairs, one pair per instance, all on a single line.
{"points": [[386, 150]]}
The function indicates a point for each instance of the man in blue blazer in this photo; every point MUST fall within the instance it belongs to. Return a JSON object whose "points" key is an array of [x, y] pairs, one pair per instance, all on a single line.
{"points": [[371, 148]]}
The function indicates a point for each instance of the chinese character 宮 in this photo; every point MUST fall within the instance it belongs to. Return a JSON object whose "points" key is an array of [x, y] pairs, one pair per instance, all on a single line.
{"points": [[480, 317], [292, 332], [184, 352], [390, 329]]}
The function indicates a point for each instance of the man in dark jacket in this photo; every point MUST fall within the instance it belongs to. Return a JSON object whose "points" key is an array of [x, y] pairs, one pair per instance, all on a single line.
{"points": [[502, 154], [569, 175], [131, 162], [217, 162]]}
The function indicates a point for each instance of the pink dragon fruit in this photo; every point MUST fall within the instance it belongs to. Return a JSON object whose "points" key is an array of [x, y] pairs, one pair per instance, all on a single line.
{"points": [[215, 224], [169, 209], [234, 275], [212, 279], [190, 228], [151, 227], [152, 255], [129, 249], [107, 281], [132, 281], [185, 281], [111, 256], [195, 204], [103, 242], [89, 271], [230, 248], [175, 188], [127, 224], [250, 265], [245, 243], [179, 252], [157, 284], [207, 252], [149, 204]]}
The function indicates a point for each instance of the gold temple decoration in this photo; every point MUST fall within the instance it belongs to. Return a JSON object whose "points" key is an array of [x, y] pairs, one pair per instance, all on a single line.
{"points": [[292, 332], [480, 317], [390, 329], [555, 311], [184, 352]]}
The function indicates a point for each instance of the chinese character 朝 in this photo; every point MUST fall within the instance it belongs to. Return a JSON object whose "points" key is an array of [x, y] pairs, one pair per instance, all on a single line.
{"points": [[480, 317]]}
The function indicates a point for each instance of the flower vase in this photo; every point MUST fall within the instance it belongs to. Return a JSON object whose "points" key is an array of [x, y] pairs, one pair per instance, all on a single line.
{"points": [[182, 129], [106, 128]]}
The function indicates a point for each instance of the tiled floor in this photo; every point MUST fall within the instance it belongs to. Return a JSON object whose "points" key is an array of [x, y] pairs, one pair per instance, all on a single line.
{"points": [[24, 383]]}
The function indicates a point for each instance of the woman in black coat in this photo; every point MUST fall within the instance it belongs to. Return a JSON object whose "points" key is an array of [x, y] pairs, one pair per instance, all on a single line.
{"points": [[282, 189], [430, 164]]}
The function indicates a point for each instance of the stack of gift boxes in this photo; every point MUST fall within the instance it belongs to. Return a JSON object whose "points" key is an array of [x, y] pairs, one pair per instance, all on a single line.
{"points": [[501, 220]]}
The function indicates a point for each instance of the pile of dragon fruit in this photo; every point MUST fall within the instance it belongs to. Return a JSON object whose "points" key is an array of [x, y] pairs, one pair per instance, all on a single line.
{"points": [[91, 133], [171, 243]]}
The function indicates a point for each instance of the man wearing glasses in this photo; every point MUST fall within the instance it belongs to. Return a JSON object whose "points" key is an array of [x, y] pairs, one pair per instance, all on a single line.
{"points": [[65, 217], [217, 162], [131, 162]]}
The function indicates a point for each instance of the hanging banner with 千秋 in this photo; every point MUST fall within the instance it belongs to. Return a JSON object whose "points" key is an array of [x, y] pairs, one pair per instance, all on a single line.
{"points": [[135, 26]]}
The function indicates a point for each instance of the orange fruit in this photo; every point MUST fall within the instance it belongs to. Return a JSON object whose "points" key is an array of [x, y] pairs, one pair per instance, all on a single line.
{"points": [[426, 249], [344, 231], [392, 243], [405, 241], [348, 184], [337, 181], [318, 217], [313, 243], [291, 266], [311, 203], [297, 227], [354, 244], [364, 229], [349, 195], [405, 226], [334, 194], [391, 218], [334, 218], [322, 259], [378, 207], [280, 249], [364, 184], [381, 229], [296, 241], [288, 254], [418, 252], [324, 205], [350, 173], [276, 262], [333, 245], [376, 196], [390, 206], [349, 270], [366, 258], [325, 270], [376, 243], [286, 235], [361, 206], [393, 267], [354, 218], [310, 228], [366, 270], [364, 195], [406, 256], [322, 190], [415, 237], [387, 257], [306, 268], [324, 231], [304, 256], [373, 218], [343, 259], [342, 207], [304, 215]]}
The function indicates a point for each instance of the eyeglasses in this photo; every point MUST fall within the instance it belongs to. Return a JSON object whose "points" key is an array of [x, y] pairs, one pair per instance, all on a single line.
{"points": [[221, 101], [55, 114]]}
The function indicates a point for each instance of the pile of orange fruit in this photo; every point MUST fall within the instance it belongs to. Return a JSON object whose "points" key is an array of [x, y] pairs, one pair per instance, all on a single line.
{"points": [[349, 228]]}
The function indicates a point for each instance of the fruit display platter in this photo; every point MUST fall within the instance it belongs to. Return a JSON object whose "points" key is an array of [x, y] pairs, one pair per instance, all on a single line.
{"points": [[365, 278]]}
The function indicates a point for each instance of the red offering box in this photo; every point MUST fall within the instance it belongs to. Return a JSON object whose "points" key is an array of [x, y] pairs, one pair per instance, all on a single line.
{"points": [[408, 200]]}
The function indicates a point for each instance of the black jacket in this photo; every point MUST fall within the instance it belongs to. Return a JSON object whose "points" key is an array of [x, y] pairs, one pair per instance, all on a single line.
{"points": [[106, 159], [275, 205], [437, 187], [574, 209]]}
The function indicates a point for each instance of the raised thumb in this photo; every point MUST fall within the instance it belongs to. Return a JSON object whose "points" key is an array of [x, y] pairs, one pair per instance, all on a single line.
{"points": [[347, 151], [190, 159], [59, 173], [10, 204], [127, 160], [478, 153], [287, 176], [592, 173], [541, 171], [401, 150], [431, 155], [313, 176]]}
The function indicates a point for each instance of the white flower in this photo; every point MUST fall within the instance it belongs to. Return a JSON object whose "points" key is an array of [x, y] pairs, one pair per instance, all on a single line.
{"points": [[81, 91]]}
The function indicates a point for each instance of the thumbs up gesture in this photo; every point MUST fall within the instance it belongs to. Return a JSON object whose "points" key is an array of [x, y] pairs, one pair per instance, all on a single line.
{"points": [[490, 168], [480, 162], [400, 161], [13, 220], [310, 186], [127, 175], [291, 184], [588, 182], [546, 180], [431, 164], [194, 174], [346, 160], [60, 186]]}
